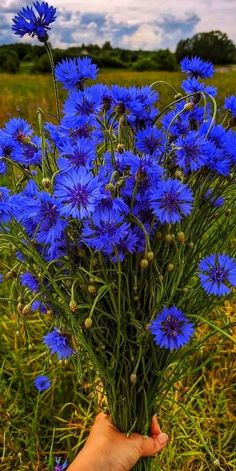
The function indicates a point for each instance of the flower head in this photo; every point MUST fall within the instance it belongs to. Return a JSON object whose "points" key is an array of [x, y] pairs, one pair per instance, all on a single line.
{"points": [[171, 201], [29, 281], [58, 343], [196, 67], [42, 383], [171, 329], [78, 193], [73, 73], [34, 21], [217, 273], [230, 105], [193, 151], [60, 466], [192, 85]]}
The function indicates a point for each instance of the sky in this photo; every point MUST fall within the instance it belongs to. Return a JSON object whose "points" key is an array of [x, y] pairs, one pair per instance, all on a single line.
{"points": [[129, 24]]}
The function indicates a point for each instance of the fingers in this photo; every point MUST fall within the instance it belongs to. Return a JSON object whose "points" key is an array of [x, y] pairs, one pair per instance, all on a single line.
{"points": [[152, 445], [155, 427]]}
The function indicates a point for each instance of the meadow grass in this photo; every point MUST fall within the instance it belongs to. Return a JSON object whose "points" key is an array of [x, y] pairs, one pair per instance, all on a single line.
{"points": [[199, 415]]}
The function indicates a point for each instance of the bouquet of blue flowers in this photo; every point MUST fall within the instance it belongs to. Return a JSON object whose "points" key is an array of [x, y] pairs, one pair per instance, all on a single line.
{"points": [[120, 216]]}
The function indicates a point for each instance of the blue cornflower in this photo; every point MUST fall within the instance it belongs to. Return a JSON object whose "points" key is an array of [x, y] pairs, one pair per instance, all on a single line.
{"points": [[171, 329], [58, 343], [192, 85], [29, 281], [217, 271], [78, 193], [150, 141], [28, 154], [34, 22], [230, 104], [220, 162], [82, 153], [216, 201], [124, 98], [5, 205], [73, 73], [39, 306], [106, 230], [17, 129], [196, 67], [193, 151], [171, 201], [230, 145], [42, 383], [85, 103], [60, 466]]}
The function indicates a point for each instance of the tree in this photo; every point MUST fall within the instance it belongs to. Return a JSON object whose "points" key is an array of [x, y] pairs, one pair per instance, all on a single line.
{"points": [[214, 46], [165, 60], [9, 61]]}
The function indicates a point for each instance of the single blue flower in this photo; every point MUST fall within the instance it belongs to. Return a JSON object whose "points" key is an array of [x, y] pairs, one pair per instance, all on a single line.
{"points": [[39, 306], [106, 229], [171, 329], [193, 151], [196, 67], [60, 466], [18, 130], [29, 281], [82, 153], [150, 141], [230, 105], [42, 383], [73, 72], [192, 85], [28, 154], [34, 21], [217, 271], [78, 193], [171, 201], [58, 343], [83, 104]]}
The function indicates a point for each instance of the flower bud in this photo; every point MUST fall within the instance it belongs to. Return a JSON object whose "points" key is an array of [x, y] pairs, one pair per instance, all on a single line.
{"points": [[189, 106], [133, 378], [73, 306], [185, 289], [190, 245], [88, 323], [135, 298], [19, 307], [143, 263], [92, 290], [10, 274], [150, 256], [181, 237], [17, 333], [49, 312], [110, 187], [120, 148], [169, 238], [228, 212], [159, 235], [179, 175], [46, 182], [26, 309], [178, 96], [170, 267]]}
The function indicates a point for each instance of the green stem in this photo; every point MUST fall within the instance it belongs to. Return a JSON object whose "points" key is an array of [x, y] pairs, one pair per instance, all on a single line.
{"points": [[50, 55]]}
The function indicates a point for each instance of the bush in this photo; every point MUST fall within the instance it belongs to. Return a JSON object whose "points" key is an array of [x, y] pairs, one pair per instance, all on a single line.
{"points": [[166, 60], [9, 61], [145, 64]]}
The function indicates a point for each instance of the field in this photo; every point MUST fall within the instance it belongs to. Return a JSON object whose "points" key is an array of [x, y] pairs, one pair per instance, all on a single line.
{"points": [[200, 417]]}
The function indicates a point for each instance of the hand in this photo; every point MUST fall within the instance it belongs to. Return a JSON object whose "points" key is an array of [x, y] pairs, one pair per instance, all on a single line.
{"points": [[107, 449]]}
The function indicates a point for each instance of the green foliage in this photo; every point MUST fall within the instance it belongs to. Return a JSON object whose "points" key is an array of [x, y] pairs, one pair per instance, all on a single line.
{"points": [[214, 46], [144, 64], [9, 61], [166, 60]]}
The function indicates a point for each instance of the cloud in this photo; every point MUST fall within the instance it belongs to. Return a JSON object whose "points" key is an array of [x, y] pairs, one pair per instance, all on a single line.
{"points": [[171, 23]]}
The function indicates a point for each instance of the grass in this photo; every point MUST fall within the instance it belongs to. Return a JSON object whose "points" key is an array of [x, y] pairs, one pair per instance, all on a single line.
{"points": [[22, 94], [200, 417]]}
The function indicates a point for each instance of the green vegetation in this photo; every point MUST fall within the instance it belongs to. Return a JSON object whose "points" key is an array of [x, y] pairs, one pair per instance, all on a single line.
{"points": [[214, 46]]}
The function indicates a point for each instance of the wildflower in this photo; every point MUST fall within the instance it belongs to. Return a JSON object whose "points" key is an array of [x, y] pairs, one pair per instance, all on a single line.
{"points": [[85, 103], [28, 154], [76, 155], [230, 105], [215, 200], [60, 466], [193, 151], [171, 329], [217, 271], [171, 201], [29, 281], [39, 306], [78, 193], [34, 22], [5, 206], [58, 343], [18, 130], [192, 85], [196, 67], [106, 230], [42, 383], [150, 141], [72, 73]]}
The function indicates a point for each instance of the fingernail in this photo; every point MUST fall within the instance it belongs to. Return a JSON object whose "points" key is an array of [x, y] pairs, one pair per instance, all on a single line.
{"points": [[163, 438]]}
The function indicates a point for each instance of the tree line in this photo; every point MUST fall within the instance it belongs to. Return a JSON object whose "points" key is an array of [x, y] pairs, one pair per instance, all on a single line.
{"points": [[214, 46]]}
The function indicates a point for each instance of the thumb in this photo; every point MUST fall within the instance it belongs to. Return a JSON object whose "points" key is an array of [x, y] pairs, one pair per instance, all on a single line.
{"points": [[152, 445]]}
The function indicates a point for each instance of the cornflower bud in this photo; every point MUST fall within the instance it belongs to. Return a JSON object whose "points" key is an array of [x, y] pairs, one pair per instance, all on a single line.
{"points": [[189, 106], [133, 378], [170, 267], [19, 307], [169, 238], [26, 309], [120, 148], [159, 235], [73, 306], [179, 175], [181, 237], [190, 245], [49, 312], [92, 290], [135, 298], [150, 256], [144, 263], [88, 323], [178, 96], [46, 182], [110, 187]]}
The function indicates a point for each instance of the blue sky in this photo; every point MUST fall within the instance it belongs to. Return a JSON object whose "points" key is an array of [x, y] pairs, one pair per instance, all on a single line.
{"points": [[131, 24]]}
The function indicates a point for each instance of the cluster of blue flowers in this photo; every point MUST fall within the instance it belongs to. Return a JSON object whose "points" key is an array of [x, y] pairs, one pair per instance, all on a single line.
{"points": [[117, 173]]}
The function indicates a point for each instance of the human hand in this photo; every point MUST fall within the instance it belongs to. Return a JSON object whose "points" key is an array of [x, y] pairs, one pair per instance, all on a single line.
{"points": [[107, 449]]}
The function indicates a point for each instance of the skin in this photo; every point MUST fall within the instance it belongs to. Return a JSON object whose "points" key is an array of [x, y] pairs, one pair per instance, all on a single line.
{"points": [[107, 449]]}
